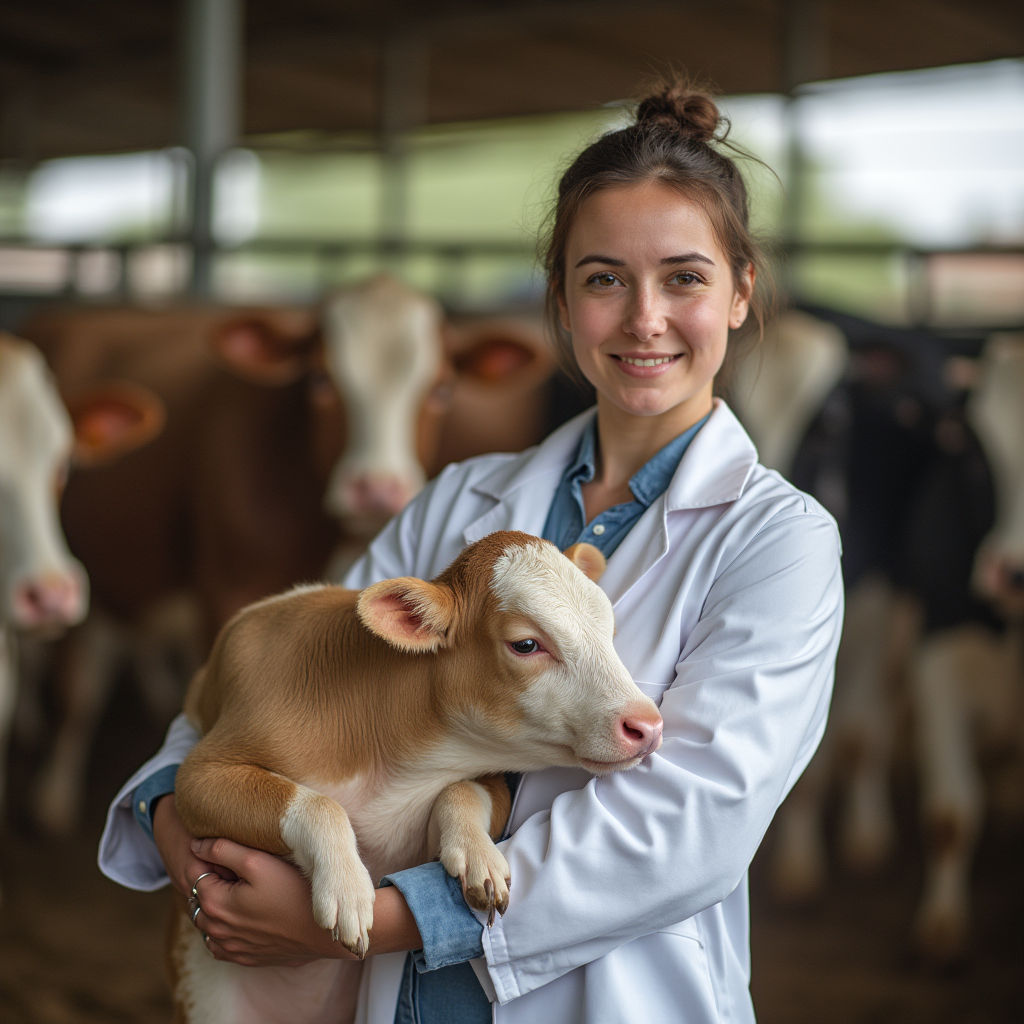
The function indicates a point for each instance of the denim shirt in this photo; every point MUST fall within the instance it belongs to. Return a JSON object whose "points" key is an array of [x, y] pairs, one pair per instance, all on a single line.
{"points": [[439, 986]]}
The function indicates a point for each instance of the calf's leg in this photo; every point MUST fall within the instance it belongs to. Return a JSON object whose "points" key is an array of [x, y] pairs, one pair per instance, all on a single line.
{"points": [[220, 797], [463, 820]]}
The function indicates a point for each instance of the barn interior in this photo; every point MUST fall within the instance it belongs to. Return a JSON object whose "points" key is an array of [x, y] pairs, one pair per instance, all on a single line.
{"points": [[241, 160]]}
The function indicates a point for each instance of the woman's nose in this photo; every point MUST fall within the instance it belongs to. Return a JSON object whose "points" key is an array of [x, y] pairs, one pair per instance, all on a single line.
{"points": [[646, 317]]}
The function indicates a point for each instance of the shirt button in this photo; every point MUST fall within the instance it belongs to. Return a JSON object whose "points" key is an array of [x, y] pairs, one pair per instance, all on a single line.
{"points": [[598, 529], [142, 806]]}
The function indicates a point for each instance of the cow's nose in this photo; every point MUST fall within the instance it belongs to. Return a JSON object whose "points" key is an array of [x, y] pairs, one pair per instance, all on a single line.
{"points": [[51, 599], [383, 495], [642, 736]]}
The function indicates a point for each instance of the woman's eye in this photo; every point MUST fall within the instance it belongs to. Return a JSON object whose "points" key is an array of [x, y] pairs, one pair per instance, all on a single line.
{"points": [[604, 280], [524, 646], [686, 277]]}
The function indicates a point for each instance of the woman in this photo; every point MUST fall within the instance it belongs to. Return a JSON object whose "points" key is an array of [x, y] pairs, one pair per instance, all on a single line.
{"points": [[630, 891]]}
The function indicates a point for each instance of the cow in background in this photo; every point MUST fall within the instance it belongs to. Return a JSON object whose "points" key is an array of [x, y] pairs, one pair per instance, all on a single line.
{"points": [[893, 455], [968, 681], [291, 436], [43, 589]]}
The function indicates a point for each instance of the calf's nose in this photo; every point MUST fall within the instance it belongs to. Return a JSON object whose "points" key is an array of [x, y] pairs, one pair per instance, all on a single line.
{"points": [[51, 599], [641, 735]]}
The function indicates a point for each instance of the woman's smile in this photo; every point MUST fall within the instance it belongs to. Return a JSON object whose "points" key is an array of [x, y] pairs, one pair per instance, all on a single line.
{"points": [[645, 365]]}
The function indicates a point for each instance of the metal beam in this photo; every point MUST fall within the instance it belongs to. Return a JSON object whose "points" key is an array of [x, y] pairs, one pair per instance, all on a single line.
{"points": [[212, 107]]}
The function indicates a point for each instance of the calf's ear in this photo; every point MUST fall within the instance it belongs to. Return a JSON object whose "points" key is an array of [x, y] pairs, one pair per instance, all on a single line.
{"points": [[588, 559], [408, 613]]}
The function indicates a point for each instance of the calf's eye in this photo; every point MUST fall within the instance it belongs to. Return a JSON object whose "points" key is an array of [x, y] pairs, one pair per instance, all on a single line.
{"points": [[524, 646]]}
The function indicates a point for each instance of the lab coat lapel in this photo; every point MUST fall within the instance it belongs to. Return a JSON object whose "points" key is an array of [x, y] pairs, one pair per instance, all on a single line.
{"points": [[713, 471], [523, 488]]}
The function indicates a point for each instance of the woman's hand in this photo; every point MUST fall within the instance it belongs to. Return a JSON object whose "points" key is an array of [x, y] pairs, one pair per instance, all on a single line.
{"points": [[264, 917], [174, 844]]}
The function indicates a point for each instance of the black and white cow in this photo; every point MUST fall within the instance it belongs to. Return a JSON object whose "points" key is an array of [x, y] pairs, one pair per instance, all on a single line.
{"points": [[896, 456]]}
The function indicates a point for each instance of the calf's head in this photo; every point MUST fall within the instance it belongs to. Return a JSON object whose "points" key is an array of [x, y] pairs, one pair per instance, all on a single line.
{"points": [[521, 639]]}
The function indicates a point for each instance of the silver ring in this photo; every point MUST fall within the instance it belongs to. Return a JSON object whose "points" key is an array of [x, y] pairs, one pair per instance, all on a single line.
{"points": [[195, 911], [195, 894]]}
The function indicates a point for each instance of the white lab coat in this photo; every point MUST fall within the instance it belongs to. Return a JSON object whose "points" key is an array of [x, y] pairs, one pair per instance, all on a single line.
{"points": [[629, 896]]}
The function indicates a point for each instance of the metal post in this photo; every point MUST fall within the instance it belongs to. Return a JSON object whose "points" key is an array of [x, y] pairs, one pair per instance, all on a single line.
{"points": [[212, 101], [17, 123], [404, 88], [805, 59]]}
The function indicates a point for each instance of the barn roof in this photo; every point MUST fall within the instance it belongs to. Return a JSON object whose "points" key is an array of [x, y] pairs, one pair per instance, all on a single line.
{"points": [[88, 76]]}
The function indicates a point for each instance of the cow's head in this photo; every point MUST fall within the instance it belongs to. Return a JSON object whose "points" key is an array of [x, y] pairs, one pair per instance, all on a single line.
{"points": [[381, 370], [997, 412], [525, 661], [43, 586]]}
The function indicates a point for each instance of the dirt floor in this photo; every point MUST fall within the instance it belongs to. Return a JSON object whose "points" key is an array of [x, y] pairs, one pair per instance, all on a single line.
{"points": [[75, 948]]}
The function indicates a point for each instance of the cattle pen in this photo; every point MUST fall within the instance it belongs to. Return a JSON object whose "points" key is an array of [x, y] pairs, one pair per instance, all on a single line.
{"points": [[284, 263]]}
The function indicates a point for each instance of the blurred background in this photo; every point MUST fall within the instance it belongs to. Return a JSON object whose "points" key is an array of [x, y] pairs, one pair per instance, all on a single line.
{"points": [[182, 185]]}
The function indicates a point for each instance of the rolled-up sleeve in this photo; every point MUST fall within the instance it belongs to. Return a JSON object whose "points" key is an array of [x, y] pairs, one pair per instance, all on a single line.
{"points": [[636, 851], [449, 930]]}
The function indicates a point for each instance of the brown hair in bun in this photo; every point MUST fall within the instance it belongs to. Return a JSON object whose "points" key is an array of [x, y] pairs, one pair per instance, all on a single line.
{"points": [[678, 137], [688, 111]]}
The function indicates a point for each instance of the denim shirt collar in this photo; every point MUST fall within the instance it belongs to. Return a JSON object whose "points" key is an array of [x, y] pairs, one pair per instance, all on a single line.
{"points": [[649, 480]]}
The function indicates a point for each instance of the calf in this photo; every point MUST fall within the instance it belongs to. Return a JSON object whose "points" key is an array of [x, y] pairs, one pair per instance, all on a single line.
{"points": [[342, 729]]}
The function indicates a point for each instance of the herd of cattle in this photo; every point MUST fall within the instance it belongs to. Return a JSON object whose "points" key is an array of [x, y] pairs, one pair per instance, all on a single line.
{"points": [[219, 455]]}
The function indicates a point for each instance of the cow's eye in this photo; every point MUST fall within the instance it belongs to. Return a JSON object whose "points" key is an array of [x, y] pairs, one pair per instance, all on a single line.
{"points": [[524, 646]]}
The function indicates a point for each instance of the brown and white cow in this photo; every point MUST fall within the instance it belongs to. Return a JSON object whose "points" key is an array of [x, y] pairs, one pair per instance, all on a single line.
{"points": [[344, 730], [290, 434], [43, 589]]}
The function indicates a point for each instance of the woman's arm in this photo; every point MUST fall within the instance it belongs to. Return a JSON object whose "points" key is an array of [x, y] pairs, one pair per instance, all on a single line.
{"points": [[256, 907], [637, 851]]}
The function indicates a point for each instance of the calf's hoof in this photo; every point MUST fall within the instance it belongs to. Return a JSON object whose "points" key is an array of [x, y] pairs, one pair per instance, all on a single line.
{"points": [[343, 905], [484, 875]]}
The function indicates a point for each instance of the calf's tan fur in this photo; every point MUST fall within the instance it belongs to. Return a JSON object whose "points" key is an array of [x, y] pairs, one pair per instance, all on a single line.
{"points": [[360, 733]]}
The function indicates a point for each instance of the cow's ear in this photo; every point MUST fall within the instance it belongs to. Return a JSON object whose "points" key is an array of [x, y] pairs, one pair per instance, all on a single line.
{"points": [[409, 614], [492, 351], [114, 419], [264, 351], [588, 559]]}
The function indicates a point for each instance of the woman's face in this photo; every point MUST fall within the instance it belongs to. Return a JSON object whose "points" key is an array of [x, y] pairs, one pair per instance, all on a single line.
{"points": [[649, 299]]}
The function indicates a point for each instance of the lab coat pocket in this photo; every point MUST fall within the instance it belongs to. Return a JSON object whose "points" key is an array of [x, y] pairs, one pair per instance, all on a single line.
{"points": [[654, 690]]}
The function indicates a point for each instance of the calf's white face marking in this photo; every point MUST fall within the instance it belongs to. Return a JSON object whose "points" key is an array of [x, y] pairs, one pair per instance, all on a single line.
{"points": [[581, 695], [42, 585], [382, 344]]}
